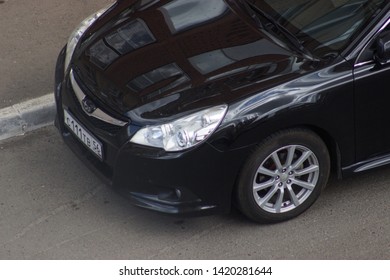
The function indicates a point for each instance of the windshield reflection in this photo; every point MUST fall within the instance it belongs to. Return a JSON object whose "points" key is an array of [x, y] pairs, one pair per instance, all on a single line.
{"points": [[322, 25]]}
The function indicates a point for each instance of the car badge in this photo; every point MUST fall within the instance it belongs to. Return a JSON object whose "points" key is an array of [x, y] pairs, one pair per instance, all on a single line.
{"points": [[88, 105]]}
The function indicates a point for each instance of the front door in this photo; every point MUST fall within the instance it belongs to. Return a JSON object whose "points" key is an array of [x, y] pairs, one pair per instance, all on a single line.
{"points": [[372, 103]]}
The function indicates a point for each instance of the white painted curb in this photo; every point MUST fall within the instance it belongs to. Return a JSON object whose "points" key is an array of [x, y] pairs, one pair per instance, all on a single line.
{"points": [[27, 116]]}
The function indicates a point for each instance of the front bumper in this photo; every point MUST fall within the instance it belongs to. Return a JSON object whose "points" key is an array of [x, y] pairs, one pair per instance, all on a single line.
{"points": [[198, 181]]}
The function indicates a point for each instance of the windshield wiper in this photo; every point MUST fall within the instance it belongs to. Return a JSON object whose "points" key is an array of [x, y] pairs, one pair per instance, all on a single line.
{"points": [[255, 12]]}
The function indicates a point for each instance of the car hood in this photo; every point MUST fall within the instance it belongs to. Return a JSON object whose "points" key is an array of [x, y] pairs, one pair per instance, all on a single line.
{"points": [[152, 60]]}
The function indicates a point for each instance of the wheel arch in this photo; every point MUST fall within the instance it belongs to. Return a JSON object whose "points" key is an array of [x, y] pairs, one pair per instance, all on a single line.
{"points": [[332, 145], [326, 137], [317, 140]]}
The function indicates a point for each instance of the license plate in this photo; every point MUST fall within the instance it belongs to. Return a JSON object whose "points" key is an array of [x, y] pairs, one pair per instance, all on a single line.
{"points": [[93, 144]]}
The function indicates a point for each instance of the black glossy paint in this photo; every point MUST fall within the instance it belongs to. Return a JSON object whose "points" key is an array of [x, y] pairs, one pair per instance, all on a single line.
{"points": [[170, 68]]}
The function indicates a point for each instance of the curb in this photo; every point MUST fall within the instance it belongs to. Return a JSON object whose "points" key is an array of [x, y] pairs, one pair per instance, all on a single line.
{"points": [[27, 116]]}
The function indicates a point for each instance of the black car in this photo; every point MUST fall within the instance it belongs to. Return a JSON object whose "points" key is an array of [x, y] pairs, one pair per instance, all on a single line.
{"points": [[190, 106]]}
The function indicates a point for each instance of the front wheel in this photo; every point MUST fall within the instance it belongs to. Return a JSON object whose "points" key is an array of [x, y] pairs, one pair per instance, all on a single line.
{"points": [[284, 176]]}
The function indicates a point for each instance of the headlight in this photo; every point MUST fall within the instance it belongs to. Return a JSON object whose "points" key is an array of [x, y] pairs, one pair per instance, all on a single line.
{"points": [[79, 31], [183, 133]]}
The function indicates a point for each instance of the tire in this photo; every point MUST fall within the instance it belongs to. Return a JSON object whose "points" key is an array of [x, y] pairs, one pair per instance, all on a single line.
{"points": [[284, 176]]}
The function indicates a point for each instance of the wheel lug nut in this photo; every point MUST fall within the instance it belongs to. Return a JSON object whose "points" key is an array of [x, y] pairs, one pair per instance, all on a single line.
{"points": [[289, 182], [290, 173], [280, 184]]}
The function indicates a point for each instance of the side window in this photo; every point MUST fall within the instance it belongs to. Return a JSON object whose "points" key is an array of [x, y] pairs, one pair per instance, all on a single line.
{"points": [[369, 52]]}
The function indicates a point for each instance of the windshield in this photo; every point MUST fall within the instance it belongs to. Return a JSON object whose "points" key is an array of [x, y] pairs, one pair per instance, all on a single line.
{"points": [[321, 26]]}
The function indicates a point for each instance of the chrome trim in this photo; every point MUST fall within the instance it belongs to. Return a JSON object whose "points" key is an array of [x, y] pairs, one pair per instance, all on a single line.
{"points": [[364, 63], [384, 26], [374, 164], [98, 113]]}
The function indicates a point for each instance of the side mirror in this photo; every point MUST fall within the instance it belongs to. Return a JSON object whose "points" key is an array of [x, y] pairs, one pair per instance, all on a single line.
{"points": [[382, 55]]}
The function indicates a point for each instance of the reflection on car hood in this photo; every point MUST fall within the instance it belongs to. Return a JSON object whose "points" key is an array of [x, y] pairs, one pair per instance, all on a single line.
{"points": [[163, 58]]}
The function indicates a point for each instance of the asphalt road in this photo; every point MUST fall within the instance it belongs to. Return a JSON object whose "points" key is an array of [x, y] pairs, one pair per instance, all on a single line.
{"points": [[32, 32], [53, 207]]}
